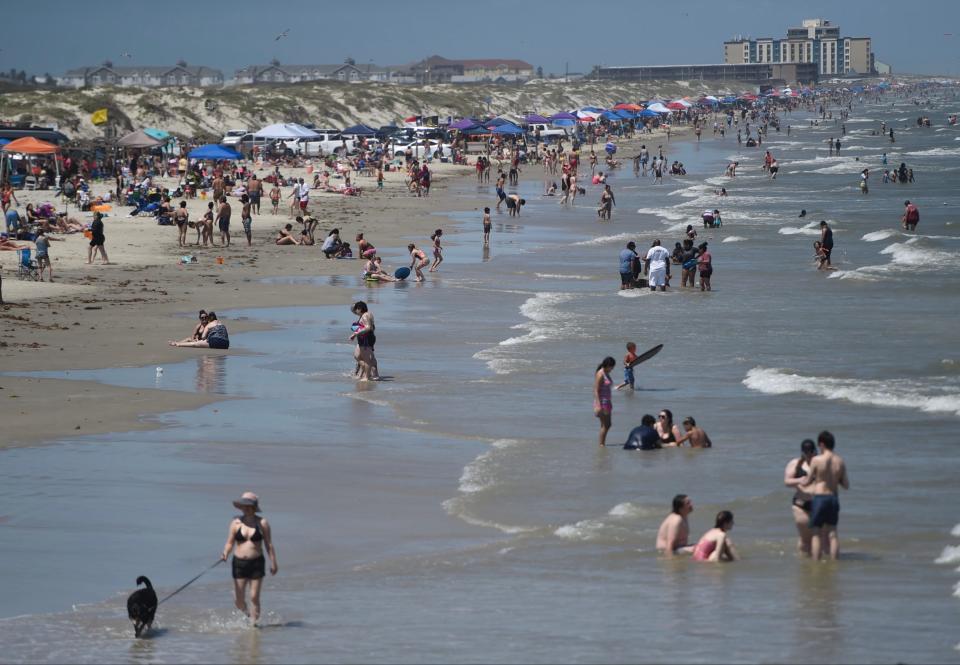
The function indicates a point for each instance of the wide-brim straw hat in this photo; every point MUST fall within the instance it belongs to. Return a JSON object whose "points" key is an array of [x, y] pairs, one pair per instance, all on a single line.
{"points": [[248, 499]]}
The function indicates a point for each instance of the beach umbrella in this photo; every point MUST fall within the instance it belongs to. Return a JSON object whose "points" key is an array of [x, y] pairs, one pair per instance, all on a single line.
{"points": [[159, 134], [139, 139], [587, 119], [676, 106], [214, 151], [286, 131]]}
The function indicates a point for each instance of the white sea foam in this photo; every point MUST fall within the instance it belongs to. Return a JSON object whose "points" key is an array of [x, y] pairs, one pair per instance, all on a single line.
{"points": [[860, 274], [542, 275], [811, 229], [605, 240], [955, 531], [633, 293], [545, 321], [583, 530], [935, 152], [627, 509], [950, 554], [850, 169], [455, 507], [937, 395], [666, 213], [476, 475], [874, 236], [906, 253], [734, 239]]}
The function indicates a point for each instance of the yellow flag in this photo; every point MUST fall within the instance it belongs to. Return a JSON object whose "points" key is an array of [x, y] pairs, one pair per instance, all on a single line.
{"points": [[99, 117]]}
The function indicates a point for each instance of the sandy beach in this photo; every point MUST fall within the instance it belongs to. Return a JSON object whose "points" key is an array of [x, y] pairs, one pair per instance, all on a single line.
{"points": [[123, 313]]}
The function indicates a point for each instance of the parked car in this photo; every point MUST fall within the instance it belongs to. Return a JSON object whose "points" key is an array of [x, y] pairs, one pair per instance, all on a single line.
{"points": [[330, 141], [547, 132], [233, 136], [419, 145]]}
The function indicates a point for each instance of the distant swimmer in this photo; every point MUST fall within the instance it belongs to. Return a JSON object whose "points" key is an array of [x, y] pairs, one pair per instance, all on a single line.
{"points": [[797, 470], [674, 532], [716, 545], [803, 213], [828, 473], [602, 400], [644, 436]]}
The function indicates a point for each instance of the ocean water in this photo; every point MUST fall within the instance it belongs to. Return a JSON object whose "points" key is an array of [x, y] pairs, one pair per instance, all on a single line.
{"points": [[461, 511]]}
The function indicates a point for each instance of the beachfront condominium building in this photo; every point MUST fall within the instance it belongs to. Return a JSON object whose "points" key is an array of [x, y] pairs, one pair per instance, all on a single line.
{"points": [[180, 74], [347, 72], [815, 41]]}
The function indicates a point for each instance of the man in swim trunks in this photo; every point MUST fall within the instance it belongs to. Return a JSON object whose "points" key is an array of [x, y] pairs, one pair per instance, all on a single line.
{"points": [[826, 241], [828, 473], [675, 530], [657, 266]]}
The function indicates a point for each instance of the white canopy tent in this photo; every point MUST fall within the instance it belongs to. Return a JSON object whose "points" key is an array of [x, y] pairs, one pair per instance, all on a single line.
{"points": [[287, 131]]}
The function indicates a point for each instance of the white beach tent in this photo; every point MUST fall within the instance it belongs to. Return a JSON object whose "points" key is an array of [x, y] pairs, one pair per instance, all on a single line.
{"points": [[658, 107], [286, 131]]}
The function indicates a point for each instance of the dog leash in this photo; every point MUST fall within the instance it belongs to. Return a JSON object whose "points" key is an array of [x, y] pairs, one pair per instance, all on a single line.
{"points": [[205, 570]]}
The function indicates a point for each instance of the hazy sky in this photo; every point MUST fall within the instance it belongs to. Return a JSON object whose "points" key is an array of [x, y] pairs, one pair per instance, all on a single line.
{"points": [[53, 36]]}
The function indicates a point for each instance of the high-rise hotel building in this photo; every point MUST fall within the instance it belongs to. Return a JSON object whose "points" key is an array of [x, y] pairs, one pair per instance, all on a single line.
{"points": [[816, 41]]}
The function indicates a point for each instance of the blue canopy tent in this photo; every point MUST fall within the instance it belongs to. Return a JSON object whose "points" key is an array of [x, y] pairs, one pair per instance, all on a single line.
{"points": [[507, 128], [593, 109], [359, 130], [214, 151], [610, 115], [476, 131], [625, 114], [647, 113], [536, 119], [496, 122]]}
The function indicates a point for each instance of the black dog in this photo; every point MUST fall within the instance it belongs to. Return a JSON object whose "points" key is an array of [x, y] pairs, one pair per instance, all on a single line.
{"points": [[141, 606]]}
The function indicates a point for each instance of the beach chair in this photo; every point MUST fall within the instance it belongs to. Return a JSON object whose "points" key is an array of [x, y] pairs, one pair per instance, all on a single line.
{"points": [[30, 183], [27, 268]]}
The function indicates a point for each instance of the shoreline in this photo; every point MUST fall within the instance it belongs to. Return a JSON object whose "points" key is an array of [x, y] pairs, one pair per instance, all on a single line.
{"points": [[146, 311]]}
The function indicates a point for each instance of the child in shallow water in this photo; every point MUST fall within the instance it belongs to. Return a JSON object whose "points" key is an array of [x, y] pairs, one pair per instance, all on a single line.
{"points": [[716, 545]]}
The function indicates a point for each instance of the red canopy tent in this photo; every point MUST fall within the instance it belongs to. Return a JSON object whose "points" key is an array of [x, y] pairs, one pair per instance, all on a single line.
{"points": [[676, 106]]}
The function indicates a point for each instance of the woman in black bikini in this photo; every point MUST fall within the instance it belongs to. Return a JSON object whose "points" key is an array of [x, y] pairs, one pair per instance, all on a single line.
{"points": [[797, 469], [247, 535], [668, 432]]}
